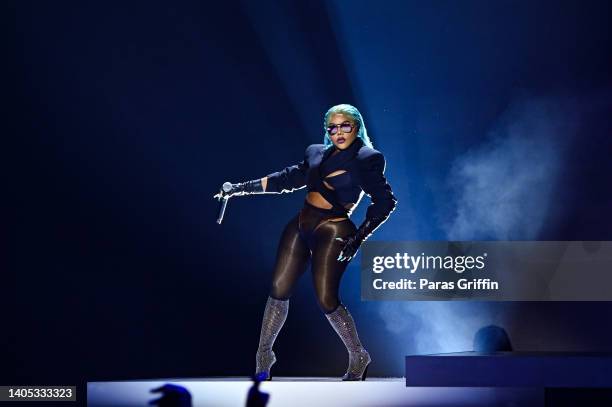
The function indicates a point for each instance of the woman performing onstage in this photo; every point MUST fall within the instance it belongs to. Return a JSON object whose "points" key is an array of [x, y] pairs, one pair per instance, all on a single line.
{"points": [[336, 175]]}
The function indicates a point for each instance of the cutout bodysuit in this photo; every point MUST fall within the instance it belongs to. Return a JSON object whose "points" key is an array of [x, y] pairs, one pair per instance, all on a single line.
{"points": [[313, 231]]}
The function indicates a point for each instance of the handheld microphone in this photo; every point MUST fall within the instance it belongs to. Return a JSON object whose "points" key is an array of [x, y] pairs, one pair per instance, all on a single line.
{"points": [[227, 187]]}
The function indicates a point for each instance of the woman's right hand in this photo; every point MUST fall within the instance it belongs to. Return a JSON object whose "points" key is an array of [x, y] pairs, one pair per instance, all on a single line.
{"points": [[225, 192], [229, 190]]}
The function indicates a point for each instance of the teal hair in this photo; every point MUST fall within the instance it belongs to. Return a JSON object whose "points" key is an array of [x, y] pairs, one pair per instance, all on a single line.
{"points": [[354, 114]]}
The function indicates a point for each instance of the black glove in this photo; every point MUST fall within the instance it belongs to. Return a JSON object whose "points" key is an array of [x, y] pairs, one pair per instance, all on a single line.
{"points": [[352, 243], [241, 188]]}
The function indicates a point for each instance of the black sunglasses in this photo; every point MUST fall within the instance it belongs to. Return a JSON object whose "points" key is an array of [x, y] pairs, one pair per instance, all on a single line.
{"points": [[346, 127]]}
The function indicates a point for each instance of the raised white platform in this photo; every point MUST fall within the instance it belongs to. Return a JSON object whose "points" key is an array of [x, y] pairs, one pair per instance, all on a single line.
{"points": [[309, 392]]}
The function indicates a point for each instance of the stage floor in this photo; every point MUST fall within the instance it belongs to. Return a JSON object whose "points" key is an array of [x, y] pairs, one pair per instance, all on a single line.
{"points": [[310, 391]]}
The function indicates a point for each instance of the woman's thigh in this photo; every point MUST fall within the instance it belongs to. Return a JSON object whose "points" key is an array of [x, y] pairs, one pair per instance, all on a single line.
{"points": [[326, 269], [291, 261]]}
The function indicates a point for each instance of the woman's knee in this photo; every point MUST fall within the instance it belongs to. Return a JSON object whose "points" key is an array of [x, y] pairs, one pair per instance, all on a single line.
{"points": [[280, 291], [328, 302]]}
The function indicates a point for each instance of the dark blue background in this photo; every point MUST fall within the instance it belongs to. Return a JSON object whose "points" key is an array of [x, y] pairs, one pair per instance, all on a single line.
{"points": [[127, 117]]}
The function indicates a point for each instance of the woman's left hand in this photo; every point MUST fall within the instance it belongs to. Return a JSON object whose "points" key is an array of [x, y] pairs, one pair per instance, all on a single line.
{"points": [[350, 246]]}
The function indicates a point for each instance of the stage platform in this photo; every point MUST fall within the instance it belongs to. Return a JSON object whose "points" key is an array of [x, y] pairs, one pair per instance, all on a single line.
{"points": [[511, 369], [309, 392]]}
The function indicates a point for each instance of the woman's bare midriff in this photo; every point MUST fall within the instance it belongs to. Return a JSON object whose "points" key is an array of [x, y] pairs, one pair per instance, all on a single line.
{"points": [[316, 199]]}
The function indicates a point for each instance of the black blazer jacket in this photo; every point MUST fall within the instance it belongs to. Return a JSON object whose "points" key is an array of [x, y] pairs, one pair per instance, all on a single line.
{"points": [[353, 171]]}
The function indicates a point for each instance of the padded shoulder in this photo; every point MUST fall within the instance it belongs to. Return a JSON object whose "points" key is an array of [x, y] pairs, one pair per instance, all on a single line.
{"points": [[366, 152], [370, 159], [314, 148]]}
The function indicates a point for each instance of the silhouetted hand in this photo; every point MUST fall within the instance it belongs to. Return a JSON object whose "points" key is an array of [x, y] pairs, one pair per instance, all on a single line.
{"points": [[172, 396], [255, 397]]}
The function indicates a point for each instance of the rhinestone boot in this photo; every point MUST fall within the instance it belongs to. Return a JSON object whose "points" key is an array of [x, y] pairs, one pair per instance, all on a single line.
{"points": [[273, 320], [359, 359]]}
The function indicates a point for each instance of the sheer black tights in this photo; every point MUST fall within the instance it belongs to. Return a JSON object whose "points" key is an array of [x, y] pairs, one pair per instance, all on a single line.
{"points": [[311, 235]]}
